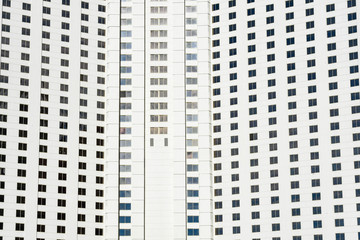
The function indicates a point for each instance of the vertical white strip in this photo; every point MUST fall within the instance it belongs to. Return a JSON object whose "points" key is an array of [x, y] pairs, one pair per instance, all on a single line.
{"points": [[112, 122]]}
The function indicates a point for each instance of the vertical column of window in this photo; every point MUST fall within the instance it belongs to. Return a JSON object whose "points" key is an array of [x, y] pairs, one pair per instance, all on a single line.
{"points": [[313, 113], [84, 106], [159, 71], [191, 98], [49, 64], [4, 92], [92, 73], [85, 126], [5, 66], [355, 94], [100, 113], [23, 107], [43, 133], [253, 110], [292, 118], [48, 79], [44, 113], [353, 68], [254, 187], [334, 112], [125, 119], [216, 93], [125, 131], [355, 109], [22, 147], [5, 54], [4, 106], [253, 135], [63, 107], [272, 119], [230, 13], [354, 83]]}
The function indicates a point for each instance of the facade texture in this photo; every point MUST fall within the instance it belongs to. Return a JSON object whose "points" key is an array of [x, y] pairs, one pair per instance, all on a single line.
{"points": [[179, 119]]}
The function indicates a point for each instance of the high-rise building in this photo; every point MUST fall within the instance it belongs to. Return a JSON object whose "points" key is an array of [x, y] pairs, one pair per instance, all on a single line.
{"points": [[52, 119], [285, 84], [179, 119]]}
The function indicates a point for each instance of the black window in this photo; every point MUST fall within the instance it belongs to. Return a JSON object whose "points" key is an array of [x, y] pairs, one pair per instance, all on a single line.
{"points": [[232, 3], [215, 7], [351, 3], [251, 11], [289, 3], [270, 7], [289, 16], [330, 7]]}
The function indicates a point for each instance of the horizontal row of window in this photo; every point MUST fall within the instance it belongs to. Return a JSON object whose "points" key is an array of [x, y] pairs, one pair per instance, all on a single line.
{"points": [[288, 4], [59, 229], [275, 200], [46, 10]]}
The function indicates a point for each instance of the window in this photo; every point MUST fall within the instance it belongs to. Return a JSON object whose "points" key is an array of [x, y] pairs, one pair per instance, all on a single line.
{"points": [[353, 55], [249, 23], [310, 37], [337, 194], [214, 31], [310, 25], [334, 126], [354, 69], [337, 180], [330, 20], [215, 7], [351, 3], [269, 20], [292, 105], [289, 16], [232, 40], [290, 41], [353, 42], [251, 48], [316, 210], [331, 33], [193, 232], [290, 28], [290, 66], [340, 236], [289, 3], [232, 3], [317, 224], [310, 50], [275, 213], [215, 19], [354, 82], [309, 11], [251, 11], [255, 228], [330, 7], [270, 57], [270, 45], [270, 32], [290, 54], [335, 139], [315, 169], [269, 7], [272, 121]]}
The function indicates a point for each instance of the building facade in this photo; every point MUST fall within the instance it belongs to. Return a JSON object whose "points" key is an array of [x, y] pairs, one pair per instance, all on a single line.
{"points": [[285, 119], [179, 119]]}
